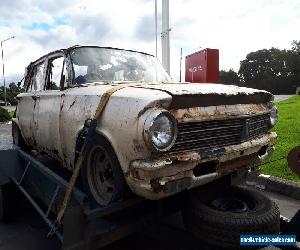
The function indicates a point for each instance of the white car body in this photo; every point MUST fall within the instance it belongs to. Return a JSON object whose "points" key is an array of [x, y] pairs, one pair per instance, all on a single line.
{"points": [[51, 120]]}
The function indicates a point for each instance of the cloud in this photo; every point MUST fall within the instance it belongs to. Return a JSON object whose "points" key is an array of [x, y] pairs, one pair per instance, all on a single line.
{"points": [[145, 29], [235, 27]]}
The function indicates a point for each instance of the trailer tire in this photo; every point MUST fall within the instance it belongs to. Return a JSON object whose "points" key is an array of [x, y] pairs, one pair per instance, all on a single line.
{"points": [[101, 171], [18, 139], [207, 216]]}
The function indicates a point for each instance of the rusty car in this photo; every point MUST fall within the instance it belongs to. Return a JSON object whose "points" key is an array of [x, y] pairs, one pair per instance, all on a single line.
{"points": [[156, 137]]}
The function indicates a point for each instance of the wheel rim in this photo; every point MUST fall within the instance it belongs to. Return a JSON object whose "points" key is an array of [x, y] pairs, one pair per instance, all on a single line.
{"points": [[100, 176], [231, 204]]}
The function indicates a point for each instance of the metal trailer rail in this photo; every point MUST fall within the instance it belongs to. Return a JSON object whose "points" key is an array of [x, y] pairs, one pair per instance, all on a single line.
{"points": [[82, 227]]}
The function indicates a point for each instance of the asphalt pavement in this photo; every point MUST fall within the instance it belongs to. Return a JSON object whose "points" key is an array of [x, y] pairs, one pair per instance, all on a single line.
{"points": [[28, 232], [278, 98]]}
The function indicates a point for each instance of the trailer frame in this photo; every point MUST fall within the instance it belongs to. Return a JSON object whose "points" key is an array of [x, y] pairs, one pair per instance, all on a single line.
{"points": [[82, 227]]}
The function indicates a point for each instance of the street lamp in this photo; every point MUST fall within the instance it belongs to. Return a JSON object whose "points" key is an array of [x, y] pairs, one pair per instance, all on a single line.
{"points": [[3, 66]]}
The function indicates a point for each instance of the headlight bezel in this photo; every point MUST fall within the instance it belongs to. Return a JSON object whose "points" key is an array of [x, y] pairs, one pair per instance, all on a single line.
{"points": [[150, 122]]}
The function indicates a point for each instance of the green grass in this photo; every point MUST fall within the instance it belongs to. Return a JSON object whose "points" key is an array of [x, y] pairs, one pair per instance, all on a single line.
{"points": [[288, 131], [11, 114]]}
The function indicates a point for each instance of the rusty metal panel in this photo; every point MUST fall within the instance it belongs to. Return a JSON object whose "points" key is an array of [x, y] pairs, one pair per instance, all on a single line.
{"points": [[207, 94]]}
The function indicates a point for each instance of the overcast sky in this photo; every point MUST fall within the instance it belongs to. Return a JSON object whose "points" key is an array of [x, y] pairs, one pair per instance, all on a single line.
{"points": [[236, 27]]}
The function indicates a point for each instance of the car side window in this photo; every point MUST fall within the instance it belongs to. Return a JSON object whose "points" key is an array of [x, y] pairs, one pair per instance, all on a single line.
{"points": [[37, 79], [55, 67]]}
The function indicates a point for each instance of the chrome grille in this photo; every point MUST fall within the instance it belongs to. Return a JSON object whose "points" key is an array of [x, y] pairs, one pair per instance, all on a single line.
{"points": [[219, 133], [258, 125]]}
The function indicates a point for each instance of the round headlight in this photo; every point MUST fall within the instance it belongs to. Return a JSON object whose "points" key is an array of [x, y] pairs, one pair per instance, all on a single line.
{"points": [[163, 131], [273, 116]]}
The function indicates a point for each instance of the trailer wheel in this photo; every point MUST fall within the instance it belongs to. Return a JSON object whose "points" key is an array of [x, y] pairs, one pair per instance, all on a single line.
{"points": [[103, 178], [219, 218], [18, 139]]}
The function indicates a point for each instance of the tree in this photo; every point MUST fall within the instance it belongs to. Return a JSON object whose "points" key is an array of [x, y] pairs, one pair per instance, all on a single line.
{"points": [[229, 77], [275, 70], [11, 92], [296, 46], [4, 115]]}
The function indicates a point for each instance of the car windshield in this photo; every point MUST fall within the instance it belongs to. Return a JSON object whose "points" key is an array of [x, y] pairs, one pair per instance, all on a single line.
{"points": [[93, 64]]}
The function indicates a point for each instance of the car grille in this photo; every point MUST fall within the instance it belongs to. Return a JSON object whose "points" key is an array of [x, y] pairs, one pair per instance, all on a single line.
{"points": [[219, 133]]}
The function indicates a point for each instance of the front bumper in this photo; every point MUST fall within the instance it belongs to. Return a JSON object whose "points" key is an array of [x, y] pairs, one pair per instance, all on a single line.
{"points": [[158, 178]]}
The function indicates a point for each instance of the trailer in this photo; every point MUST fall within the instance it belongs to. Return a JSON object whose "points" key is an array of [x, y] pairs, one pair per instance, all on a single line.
{"points": [[82, 227], [44, 185]]}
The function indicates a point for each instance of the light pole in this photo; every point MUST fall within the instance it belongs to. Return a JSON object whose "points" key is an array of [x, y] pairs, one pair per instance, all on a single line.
{"points": [[3, 66], [155, 28], [165, 36]]}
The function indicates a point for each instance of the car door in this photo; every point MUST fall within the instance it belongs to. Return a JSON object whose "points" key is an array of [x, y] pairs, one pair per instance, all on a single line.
{"points": [[48, 110], [29, 101]]}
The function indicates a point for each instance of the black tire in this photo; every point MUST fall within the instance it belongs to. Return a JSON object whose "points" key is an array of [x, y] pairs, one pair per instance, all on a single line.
{"points": [[222, 225], [18, 139], [115, 187]]}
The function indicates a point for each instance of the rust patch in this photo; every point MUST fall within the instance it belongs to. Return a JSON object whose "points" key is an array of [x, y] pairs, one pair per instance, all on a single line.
{"points": [[188, 157], [136, 146], [34, 104], [156, 186], [143, 111], [218, 112], [236, 163], [72, 104], [157, 104], [62, 103], [185, 101]]}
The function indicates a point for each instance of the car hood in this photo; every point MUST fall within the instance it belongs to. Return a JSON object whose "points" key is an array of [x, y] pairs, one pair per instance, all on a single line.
{"points": [[209, 94]]}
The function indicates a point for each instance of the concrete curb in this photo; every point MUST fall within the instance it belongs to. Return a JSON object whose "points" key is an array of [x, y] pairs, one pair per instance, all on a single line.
{"points": [[276, 185]]}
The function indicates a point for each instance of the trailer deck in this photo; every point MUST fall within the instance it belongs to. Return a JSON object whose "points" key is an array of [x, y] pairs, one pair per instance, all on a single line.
{"points": [[44, 184], [147, 223]]}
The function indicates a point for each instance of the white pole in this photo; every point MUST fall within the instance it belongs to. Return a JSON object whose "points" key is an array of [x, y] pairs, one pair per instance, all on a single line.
{"points": [[4, 84], [156, 28], [165, 37], [180, 65], [3, 73]]}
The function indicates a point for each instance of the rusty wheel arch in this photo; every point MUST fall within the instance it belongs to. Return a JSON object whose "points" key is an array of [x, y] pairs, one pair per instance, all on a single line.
{"points": [[78, 145]]}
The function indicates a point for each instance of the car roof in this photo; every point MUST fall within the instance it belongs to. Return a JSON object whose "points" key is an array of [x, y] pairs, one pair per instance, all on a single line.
{"points": [[67, 50]]}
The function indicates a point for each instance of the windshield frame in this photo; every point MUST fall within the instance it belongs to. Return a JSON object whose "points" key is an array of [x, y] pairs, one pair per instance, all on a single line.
{"points": [[73, 84]]}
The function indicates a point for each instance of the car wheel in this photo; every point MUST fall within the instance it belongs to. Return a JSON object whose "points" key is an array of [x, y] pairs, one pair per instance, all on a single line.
{"points": [[18, 138], [220, 217], [103, 178]]}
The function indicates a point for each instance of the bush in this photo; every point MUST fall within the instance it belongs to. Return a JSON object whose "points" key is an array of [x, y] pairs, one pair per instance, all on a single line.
{"points": [[4, 115], [298, 91]]}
